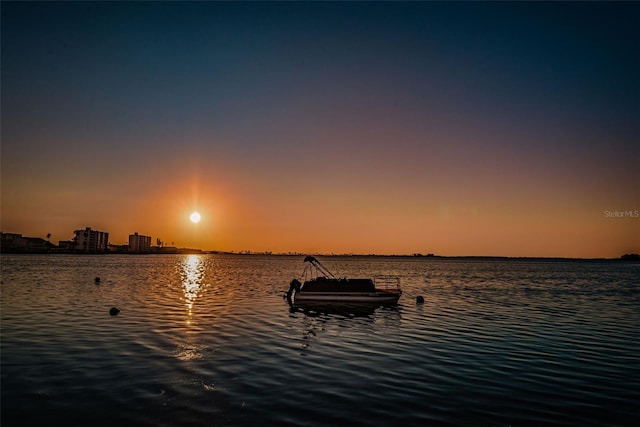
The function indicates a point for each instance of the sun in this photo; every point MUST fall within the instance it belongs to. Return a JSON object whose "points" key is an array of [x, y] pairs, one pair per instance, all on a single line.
{"points": [[195, 217]]}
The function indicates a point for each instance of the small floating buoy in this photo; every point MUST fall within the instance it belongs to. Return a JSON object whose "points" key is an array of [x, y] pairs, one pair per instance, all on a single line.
{"points": [[97, 280], [420, 299], [114, 311]]}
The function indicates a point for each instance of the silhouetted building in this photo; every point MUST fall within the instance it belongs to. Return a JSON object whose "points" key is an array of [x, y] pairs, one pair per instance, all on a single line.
{"points": [[13, 242], [9, 240], [66, 245], [89, 240], [139, 243]]}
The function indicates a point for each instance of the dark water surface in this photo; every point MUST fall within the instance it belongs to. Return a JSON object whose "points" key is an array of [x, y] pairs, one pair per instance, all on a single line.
{"points": [[207, 340]]}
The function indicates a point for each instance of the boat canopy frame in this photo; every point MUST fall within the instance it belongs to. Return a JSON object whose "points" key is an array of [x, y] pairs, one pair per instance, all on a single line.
{"points": [[316, 269]]}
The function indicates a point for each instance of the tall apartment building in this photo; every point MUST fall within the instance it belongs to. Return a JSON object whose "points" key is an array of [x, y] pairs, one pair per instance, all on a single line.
{"points": [[89, 240], [139, 243]]}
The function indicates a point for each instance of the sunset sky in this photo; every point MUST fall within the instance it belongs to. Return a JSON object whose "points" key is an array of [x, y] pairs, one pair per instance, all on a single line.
{"points": [[390, 128]]}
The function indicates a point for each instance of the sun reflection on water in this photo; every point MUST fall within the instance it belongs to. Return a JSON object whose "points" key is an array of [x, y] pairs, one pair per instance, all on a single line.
{"points": [[193, 274]]}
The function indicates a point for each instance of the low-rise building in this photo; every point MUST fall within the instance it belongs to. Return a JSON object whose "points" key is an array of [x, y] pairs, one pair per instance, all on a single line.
{"points": [[8, 241], [14, 242], [66, 245]]}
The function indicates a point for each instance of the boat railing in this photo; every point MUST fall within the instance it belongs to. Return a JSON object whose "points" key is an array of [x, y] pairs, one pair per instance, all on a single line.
{"points": [[386, 282]]}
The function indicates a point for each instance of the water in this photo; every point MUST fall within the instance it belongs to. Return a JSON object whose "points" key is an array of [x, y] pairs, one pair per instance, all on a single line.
{"points": [[207, 340]]}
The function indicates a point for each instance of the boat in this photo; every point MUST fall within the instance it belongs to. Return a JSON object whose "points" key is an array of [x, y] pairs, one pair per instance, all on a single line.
{"points": [[322, 286]]}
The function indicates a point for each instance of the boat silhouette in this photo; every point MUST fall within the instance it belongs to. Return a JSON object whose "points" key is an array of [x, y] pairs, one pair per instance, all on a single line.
{"points": [[322, 286]]}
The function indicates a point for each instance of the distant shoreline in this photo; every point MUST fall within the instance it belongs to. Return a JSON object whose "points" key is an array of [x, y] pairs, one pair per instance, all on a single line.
{"points": [[626, 257]]}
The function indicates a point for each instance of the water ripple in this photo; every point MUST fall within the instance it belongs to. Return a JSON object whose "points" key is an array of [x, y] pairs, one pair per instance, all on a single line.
{"points": [[204, 340]]}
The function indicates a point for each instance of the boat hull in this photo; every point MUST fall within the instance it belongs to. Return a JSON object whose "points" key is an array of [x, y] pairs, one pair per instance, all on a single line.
{"points": [[378, 296]]}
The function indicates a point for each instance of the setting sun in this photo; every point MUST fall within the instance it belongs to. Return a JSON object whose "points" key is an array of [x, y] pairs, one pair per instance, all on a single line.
{"points": [[195, 217]]}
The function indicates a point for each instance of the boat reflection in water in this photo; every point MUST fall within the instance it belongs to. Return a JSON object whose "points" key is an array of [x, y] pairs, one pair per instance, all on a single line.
{"points": [[322, 288]]}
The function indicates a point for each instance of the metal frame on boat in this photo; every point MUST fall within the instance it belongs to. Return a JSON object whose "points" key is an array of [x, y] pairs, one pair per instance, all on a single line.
{"points": [[323, 286]]}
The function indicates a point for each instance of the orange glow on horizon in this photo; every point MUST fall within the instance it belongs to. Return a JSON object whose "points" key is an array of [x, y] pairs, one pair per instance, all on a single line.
{"points": [[413, 220]]}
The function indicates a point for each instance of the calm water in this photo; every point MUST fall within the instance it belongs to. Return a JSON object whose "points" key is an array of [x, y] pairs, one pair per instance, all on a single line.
{"points": [[209, 340]]}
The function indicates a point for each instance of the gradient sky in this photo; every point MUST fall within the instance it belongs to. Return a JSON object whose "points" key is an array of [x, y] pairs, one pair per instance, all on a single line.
{"points": [[449, 128]]}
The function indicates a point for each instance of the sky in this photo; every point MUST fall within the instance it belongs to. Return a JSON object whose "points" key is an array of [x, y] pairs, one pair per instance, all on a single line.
{"points": [[453, 128]]}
